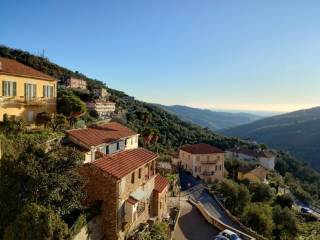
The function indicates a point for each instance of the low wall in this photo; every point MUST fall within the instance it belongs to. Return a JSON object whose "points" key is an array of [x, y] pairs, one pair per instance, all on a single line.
{"points": [[92, 231], [216, 222], [235, 219]]}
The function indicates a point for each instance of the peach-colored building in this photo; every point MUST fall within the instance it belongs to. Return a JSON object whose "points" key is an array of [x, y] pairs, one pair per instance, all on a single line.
{"points": [[76, 83], [201, 160]]}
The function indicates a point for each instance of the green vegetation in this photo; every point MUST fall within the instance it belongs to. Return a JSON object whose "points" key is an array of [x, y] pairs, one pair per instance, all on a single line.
{"points": [[37, 223], [297, 132], [33, 175], [158, 230]]}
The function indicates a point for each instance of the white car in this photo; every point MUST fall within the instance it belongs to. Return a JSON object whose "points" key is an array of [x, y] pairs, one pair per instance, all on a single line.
{"points": [[230, 235]]}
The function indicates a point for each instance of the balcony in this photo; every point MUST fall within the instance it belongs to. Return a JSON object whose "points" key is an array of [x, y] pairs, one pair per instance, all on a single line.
{"points": [[208, 161], [207, 173], [4, 101]]}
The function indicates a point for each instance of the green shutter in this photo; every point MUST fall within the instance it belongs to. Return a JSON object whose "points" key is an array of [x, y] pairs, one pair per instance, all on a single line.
{"points": [[14, 89], [34, 91], [25, 91]]}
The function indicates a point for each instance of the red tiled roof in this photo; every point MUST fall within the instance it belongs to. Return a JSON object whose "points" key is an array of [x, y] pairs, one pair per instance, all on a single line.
{"points": [[106, 133], [160, 183], [201, 148], [121, 164], [12, 67]]}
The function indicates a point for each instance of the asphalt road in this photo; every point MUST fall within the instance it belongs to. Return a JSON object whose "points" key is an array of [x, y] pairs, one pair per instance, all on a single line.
{"points": [[192, 225], [193, 188]]}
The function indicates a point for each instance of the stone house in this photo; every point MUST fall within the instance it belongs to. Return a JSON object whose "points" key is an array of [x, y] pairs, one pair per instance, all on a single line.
{"points": [[201, 160], [129, 189]]}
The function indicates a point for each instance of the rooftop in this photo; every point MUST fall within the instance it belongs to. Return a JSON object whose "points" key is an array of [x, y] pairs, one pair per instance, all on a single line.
{"points": [[121, 164], [250, 152], [99, 134], [160, 183], [201, 148], [12, 67]]}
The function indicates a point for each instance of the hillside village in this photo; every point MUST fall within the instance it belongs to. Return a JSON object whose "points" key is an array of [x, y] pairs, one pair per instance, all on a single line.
{"points": [[121, 161]]}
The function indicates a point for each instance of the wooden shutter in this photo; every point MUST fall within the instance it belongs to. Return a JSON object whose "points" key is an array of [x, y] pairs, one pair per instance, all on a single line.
{"points": [[34, 90]]}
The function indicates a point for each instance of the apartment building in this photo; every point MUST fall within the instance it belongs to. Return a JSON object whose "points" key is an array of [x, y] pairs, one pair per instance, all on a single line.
{"points": [[99, 140], [25, 92], [128, 188], [105, 109], [202, 161]]}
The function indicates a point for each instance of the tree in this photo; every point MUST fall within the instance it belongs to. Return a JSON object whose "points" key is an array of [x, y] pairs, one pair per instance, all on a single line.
{"points": [[284, 200], [243, 198], [58, 122], [258, 216], [49, 179], [70, 105], [285, 223], [261, 192], [229, 190], [37, 223], [43, 118]]}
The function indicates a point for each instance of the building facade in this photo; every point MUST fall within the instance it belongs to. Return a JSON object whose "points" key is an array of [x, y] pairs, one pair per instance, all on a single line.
{"points": [[25, 92], [105, 109], [257, 174], [266, 159], [202, 161], [105, 139], [128, 188]]}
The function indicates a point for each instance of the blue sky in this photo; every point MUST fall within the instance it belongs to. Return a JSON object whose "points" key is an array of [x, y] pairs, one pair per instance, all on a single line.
{"points": [[222, 54]]}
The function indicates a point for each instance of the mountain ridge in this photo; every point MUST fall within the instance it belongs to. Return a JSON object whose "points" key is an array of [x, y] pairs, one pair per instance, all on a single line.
{"points": [[213, 120], [297, 132]]}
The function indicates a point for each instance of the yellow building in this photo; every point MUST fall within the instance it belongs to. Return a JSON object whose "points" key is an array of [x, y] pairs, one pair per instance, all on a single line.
{"points": [[258, 174], [25, 92]]}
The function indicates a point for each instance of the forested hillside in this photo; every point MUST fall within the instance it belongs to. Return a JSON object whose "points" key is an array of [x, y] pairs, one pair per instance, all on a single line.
{"points": [[297, 132], [213, 120], [163, 132]]}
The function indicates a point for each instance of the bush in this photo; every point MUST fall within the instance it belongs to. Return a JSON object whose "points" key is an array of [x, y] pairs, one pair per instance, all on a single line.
{"points": [[37, 223], [258, 216]]}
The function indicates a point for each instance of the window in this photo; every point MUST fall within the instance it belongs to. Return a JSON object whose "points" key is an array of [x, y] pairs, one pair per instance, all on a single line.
{"points": [[30, 91], [9, 88], [139, 173], [118, 146], [132, 178], [48, 91], [220, 167], [199, 169], [195, 169], [216, 167]]}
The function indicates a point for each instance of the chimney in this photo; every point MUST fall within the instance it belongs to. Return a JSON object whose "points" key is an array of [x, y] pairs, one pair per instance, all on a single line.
{"points": [[93, 154]]}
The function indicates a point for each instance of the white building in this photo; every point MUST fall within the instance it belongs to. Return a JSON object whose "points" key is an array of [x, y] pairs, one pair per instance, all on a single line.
{"points": [[266, 159], [105, 109]]}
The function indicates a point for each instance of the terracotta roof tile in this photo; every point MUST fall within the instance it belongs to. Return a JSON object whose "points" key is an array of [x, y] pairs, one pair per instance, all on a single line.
{"points": [[121, 164], [201, 148], [160, 183], [12, 67], [106, 133]]}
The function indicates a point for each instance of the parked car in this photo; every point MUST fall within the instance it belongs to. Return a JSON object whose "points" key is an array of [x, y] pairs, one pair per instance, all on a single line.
{"points": [[230, 235], [220, 237], [305, 210]]}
